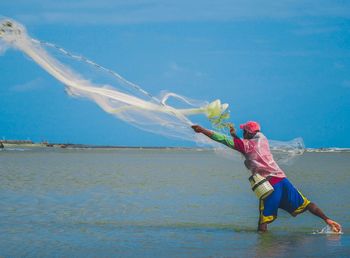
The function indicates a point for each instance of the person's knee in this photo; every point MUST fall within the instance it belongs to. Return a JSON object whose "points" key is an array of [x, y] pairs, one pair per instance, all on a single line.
{"points": [[311, 206]]}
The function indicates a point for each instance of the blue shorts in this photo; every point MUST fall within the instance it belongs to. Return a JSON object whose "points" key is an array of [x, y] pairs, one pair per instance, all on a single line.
{"points": [[286, 197]]}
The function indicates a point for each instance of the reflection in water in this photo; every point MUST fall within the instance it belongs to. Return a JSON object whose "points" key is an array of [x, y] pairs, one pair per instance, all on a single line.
{"points": [[298, 244], [334, 240]]}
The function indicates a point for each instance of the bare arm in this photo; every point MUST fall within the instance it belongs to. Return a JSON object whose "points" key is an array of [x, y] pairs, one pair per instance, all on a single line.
{"points": [[199, 129], [218, 137]]}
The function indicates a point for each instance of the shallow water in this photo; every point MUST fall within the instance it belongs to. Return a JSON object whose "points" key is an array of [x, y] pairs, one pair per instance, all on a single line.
{"points": [[160, 203]]}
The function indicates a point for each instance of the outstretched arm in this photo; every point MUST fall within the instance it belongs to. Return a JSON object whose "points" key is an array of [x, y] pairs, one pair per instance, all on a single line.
{"points": [[199, 129], [214, 136]]}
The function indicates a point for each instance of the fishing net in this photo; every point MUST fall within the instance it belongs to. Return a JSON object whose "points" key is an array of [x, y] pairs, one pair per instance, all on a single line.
{"points": [[122, 98]]}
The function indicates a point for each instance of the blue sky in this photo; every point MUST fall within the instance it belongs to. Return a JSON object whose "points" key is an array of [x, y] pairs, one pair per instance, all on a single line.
{"points": [[285, 64]]}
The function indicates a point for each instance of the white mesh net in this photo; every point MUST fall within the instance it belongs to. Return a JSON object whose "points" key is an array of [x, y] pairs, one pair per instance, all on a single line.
{"points": [[122, 98]]}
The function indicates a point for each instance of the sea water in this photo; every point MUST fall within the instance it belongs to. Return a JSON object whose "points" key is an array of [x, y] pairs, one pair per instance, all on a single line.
{"points": [[160, 203]]}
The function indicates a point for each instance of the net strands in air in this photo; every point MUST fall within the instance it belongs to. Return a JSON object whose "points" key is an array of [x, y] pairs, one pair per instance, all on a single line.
{"points": [[120, 97]]}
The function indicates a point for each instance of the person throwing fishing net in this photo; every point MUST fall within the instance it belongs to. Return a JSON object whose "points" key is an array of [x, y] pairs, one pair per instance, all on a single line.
{"points": [[259, 160]]}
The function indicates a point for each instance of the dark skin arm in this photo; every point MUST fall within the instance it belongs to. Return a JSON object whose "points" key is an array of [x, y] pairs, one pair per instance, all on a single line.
{"points": [[199, 129], [233, 132], [208, 133], [218, 137]]}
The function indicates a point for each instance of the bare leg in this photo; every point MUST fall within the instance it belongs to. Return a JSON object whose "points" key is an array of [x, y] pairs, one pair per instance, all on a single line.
{"points": [[262, 227], [314, 209]]}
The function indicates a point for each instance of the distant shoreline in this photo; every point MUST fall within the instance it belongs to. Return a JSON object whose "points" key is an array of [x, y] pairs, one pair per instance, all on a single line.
{"points": [[30, 144]]}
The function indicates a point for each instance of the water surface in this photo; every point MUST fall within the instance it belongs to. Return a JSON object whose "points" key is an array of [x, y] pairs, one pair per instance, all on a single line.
{"points": [[160, 203]]}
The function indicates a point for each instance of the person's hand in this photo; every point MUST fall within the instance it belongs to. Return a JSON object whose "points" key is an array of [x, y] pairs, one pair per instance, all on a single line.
{"points": [[197, 128], [334, 225], [232, 130]]}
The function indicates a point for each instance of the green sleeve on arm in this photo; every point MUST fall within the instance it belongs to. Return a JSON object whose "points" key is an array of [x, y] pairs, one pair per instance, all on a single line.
{"points": [[223, 139]]}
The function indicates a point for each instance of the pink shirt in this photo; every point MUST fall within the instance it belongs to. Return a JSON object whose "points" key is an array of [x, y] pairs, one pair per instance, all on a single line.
{"points": [[257, 153]]}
